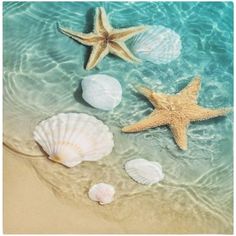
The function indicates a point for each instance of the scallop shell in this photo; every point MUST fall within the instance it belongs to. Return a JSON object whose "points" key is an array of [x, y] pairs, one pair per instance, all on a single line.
{"points": [[70, 138], [159, 45], [102, 193], [101, 91], [144, 171]]}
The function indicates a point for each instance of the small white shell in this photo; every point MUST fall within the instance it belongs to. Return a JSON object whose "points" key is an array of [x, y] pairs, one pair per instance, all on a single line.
{"points": [[159, 45], [70, 138], [144, 171], [102, 193], [101, 91]]}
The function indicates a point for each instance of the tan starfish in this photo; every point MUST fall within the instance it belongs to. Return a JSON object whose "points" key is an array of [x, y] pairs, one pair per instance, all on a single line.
{"points": [[105, 39], [176, 111]]}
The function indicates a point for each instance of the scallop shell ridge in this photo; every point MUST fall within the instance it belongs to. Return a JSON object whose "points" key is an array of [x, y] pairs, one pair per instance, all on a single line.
{"points": [[144, 171], [70, 138], [159, 45], [102, 193]]}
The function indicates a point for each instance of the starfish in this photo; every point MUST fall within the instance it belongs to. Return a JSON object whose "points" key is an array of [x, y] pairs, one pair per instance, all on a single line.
{"points": [[105, 39], [176, 111]]}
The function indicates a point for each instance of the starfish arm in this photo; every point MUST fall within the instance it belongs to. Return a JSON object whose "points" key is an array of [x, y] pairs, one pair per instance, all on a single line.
{"points": [[158, 100], [179, 131], [156, 118], [101, 22], [199, 113], [86, 39], [190, 92], [98, 53], [126, 33], [119, 49]]}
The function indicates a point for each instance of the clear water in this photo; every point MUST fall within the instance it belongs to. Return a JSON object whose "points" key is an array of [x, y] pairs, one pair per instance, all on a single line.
{"points": [[42, 74]]}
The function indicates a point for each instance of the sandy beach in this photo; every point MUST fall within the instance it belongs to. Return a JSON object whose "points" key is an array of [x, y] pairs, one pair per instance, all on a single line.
{"points": [[30, 206]]}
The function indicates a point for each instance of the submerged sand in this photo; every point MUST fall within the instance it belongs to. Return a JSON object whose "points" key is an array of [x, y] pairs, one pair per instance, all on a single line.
{"points": [[32, 206]]}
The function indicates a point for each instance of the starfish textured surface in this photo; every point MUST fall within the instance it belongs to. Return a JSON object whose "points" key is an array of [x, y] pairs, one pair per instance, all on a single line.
{"points": [[176, 111], [104, 39]]}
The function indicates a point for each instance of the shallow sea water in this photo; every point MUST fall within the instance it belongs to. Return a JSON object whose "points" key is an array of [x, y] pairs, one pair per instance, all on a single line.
{"points": [[42, 73]]}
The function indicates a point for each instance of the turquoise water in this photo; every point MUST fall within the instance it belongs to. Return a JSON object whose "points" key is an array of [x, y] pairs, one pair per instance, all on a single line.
{"points": [[42, 74]]}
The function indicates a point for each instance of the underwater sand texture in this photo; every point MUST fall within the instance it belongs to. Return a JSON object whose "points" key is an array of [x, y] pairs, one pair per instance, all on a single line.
{"points": [[43, 70], [31, 214]]}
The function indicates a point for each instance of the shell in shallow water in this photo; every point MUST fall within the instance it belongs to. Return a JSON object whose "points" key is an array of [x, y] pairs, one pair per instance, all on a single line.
{"points": [[70, 138], [101, 91], [159, 45], [144, 171], [102, 193]]}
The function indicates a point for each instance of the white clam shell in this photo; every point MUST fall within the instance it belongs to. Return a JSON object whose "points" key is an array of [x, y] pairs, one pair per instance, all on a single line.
{"points": [[101, 91], [159, 45], [70, 138], [102, 193], [144, 171]]}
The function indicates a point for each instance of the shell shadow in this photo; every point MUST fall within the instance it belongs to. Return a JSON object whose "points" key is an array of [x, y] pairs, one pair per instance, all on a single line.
{"points": [[78, 95]]}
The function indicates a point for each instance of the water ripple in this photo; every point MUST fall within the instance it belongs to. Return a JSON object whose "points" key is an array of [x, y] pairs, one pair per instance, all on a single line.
{"points": [[43, 70]]}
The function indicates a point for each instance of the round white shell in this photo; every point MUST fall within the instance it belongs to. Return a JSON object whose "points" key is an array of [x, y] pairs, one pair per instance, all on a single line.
{"points": [[144, 171], [102, 193], [70, 138], [101, 91], [159, 45]]}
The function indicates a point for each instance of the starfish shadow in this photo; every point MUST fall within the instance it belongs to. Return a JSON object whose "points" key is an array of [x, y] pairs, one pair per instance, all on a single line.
{"points": [[88, 28], [142, 98], [214, 120], [89, 20]]}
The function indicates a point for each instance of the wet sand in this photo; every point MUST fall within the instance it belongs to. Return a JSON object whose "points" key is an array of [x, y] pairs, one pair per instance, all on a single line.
{"points": [[31, 207]]}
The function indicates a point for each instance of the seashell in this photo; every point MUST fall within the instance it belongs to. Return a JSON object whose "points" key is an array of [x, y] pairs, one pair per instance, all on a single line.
{"points": [[144, 171], [159, 45], [70, 138], [102, 193], [101, 91]]}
